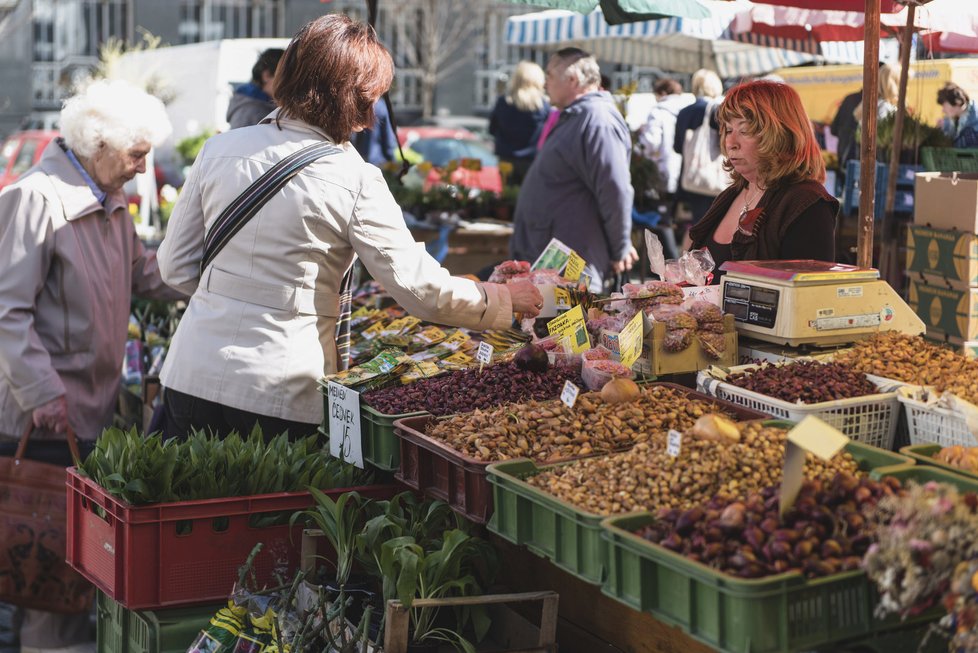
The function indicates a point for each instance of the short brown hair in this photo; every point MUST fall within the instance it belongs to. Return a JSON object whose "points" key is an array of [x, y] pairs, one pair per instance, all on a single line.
{"points": [[786, 139], [953, 95], [332, 73], [667, 86]]}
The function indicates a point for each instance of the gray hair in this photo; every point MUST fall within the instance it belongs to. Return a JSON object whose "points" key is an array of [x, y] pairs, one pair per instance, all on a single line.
{"points": [[579, 65], [113, 112]]}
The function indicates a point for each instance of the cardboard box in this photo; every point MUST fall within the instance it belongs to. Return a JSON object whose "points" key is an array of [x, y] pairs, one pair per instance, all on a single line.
{"points": [[947, 200], [693, 358], [943, 257], [967, 348], [950, 311]]}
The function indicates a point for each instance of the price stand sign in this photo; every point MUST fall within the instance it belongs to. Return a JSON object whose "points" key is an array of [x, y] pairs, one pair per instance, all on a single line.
{"points": [[569, 394], [345, 440]]}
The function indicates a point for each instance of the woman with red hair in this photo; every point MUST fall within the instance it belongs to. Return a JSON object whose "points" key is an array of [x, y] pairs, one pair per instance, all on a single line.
{"points": [[777, 206]]}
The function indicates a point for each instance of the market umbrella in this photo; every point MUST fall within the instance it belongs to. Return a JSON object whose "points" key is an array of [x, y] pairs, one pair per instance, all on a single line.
{"points": [[676, 44], [617, 12]]}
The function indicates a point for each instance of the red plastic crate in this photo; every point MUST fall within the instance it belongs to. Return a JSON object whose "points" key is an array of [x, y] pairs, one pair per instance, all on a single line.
{"points": [[185, 553], [443, 472]]}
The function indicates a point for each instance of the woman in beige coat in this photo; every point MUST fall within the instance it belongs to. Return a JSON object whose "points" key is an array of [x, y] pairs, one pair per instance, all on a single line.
{"points": [[259, 329]]}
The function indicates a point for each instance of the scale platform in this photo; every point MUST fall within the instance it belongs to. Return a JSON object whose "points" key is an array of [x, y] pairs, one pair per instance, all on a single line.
{"points": [[805, 302]]}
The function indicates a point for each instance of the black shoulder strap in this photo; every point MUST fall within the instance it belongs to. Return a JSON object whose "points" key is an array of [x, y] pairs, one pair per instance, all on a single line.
{"points": [[247, 204]]}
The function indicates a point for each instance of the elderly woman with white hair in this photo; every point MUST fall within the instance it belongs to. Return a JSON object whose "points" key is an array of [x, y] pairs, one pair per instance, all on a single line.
{"points": [[71, 262]]}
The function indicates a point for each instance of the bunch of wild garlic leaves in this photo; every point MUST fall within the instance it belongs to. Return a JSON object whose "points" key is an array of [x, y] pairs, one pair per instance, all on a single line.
{"points": [[147, 469]]}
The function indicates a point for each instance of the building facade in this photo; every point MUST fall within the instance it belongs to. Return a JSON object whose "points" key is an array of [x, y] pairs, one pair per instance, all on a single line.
{"points": [[46, 46]]}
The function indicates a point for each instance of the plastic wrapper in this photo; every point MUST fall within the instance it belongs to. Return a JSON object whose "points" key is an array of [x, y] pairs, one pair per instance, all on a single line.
{"points": [[614, 322], [713, 344], [548, 277], [554, 343], [509, 270], [657, 263], [680, 320], [710, 327], [662, 312], [597, 354], [596, 373], [677, 340], [704, 311]]}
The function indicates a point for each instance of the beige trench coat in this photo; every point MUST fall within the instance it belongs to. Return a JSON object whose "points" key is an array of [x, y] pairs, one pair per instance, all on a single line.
{"points": [[69, 269], [258, 332]]}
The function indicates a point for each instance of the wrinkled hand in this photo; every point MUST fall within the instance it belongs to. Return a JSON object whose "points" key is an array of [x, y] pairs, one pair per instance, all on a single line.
{"points": [[526, 298], [52, 415], [626, 263]]}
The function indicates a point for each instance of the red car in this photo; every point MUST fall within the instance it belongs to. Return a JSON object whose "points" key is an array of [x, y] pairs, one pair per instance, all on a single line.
{"points": [[21, 151], [439, 145]]}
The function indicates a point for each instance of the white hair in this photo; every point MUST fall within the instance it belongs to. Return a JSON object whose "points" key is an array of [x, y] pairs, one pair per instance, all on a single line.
{"points": [[113, 112], [706, 83], [579, 65]]}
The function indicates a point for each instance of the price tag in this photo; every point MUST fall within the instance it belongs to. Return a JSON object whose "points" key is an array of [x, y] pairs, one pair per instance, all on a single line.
{"points": [[484, 355], [575, 266], [630, 341], [455, 340], [344, 424], [572, 326], [374, 331], [584, 280], [569, 394], [562, 298], [674, 443], [810, 435]]}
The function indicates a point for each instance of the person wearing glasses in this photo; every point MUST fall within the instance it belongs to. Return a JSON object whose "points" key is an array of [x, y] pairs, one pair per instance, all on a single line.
{"points": [[777, 207]]}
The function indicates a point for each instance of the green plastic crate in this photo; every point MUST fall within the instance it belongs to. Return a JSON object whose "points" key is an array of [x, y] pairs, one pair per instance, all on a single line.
{"points": [[161, 631], [926, 473], [924, 455], [949, 159], [570, 537]]}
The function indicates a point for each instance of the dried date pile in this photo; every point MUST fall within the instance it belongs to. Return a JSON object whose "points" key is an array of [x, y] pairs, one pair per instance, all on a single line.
{"points": [[648, 478], [549, 430], [806, 382], [827, 530], [467, 390]]}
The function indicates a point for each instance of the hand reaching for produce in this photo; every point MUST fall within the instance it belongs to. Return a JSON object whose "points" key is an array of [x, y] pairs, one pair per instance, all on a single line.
{"points": [[526, 298], [625, 264], [53, 415]]}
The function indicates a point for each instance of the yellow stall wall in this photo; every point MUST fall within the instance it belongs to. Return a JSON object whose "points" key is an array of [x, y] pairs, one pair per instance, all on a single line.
{"points": [[823, 87]]}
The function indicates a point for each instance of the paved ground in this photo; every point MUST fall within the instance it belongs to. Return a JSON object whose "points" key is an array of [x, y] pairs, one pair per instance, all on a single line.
{"points": [[7, 637]]}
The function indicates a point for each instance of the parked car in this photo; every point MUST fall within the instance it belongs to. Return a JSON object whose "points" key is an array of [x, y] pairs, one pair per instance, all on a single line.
{"points": [[440, 145], [20, 151]]}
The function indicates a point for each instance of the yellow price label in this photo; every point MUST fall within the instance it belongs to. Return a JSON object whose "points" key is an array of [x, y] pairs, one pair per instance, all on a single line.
{"points": [[572, 326], [575, 266], [459, 358], [630, 341], [431, 335], [562, 298], [374, 331], [363, 311], [456, 340]]}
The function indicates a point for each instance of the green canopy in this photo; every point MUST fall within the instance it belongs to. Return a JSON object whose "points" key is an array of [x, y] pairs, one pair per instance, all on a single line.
{"points": [[617, 12]]}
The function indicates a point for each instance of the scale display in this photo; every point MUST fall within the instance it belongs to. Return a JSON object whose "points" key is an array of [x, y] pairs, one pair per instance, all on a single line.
{"points": [[751, 304]]}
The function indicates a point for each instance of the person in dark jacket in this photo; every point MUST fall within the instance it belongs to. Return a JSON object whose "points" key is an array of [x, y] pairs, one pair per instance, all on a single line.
{"points": [[377, 144], [706, 86], [579, 187], [517, 119], [961, 115], [253, 101], [777, 206]]}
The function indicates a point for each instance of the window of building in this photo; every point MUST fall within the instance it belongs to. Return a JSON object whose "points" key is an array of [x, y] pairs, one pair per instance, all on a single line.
{"points": [[209, 20]]}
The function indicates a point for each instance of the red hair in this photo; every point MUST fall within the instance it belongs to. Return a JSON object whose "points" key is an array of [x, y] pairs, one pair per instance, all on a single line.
{"points": [[786, 139], [331, 75]]}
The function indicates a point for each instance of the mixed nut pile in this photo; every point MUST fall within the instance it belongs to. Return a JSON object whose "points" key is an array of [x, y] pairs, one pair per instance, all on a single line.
{"points": [[549, 430], [647, 477]]}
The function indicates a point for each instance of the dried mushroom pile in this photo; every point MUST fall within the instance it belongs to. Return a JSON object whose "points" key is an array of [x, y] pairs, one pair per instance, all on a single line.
{"points": [[912, 359], [549, 430], [648, 478]]}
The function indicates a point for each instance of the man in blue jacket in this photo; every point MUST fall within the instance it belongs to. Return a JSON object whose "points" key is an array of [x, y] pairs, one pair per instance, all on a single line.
{"points": [[579, 187]]}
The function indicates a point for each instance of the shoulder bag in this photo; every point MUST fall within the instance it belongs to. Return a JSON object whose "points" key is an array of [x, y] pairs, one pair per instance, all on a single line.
{"points": [[703, 171]]}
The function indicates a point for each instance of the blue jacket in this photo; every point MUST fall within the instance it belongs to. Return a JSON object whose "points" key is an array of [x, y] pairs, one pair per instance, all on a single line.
{"points": [[377, 145], [516, 131], [966, 132], [579, 188]]}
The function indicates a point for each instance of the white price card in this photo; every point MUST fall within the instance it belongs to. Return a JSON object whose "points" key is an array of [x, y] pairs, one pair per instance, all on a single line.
{"points": [[674, 443], [344, 424], [569, 394], [484, 354]]}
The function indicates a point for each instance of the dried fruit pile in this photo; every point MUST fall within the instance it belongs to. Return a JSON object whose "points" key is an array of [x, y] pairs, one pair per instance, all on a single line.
{"points": [[549, 430], [807, 382], [912, 359], [965, 458], [826, 531], [468, 389], [648, 478]]}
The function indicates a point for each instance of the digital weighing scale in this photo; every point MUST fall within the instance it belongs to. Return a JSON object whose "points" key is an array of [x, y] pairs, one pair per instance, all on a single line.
{"points": [[812, 302]]}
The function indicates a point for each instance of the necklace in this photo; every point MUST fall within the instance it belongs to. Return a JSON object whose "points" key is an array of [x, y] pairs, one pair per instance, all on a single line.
{"points": [[744, 211]]}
